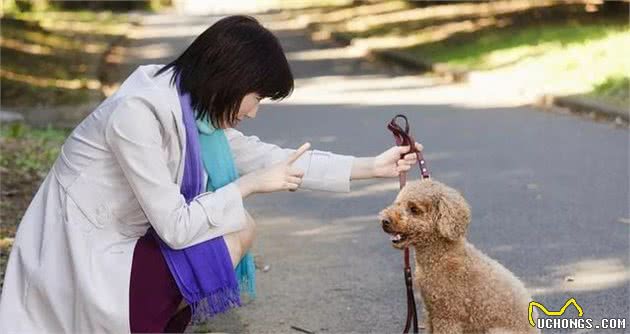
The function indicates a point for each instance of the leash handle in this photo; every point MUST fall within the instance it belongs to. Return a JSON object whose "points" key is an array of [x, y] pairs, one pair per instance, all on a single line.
{"points": [[404, 138]]}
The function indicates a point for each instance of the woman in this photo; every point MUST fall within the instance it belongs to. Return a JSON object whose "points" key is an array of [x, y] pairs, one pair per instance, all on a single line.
{"points": [[140, 213]]}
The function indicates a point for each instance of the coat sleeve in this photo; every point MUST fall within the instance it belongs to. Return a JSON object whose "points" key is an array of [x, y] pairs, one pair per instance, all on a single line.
{"points": [[135, 135], [322, 170]]}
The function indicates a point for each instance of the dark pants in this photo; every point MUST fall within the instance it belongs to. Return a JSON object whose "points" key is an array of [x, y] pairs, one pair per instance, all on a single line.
{"points": [[153, 294]]}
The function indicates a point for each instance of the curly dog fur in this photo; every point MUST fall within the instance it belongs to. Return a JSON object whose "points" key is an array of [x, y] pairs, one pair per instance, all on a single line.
{"points": [[464, 291]]}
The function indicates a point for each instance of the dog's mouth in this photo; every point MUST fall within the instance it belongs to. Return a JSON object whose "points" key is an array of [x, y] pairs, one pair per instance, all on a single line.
{"points": [[397, 238]]}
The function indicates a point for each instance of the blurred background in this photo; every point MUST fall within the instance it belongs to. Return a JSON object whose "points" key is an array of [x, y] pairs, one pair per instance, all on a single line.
{"points": [[59, 59]]}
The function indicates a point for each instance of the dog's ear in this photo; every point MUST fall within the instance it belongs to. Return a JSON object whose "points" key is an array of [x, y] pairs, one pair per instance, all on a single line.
{"points": [[453, 216]]}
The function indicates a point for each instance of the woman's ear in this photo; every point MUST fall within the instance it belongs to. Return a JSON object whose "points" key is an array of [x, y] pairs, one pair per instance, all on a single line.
{"points": [[453, 216]]}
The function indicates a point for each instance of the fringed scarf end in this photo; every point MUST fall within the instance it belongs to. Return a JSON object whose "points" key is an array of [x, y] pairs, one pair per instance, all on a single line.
{"points": [[214, 303], [246, 275]]}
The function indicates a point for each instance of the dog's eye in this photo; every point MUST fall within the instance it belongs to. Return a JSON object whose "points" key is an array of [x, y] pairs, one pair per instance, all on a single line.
{"points": [[413, 208]]}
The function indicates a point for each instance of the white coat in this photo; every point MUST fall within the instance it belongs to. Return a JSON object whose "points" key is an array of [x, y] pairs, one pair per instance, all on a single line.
{"points": [[118, 173]]}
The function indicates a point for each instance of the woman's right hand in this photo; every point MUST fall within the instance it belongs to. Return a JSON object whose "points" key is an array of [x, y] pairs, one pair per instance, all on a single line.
{"points": [[277, 177]]}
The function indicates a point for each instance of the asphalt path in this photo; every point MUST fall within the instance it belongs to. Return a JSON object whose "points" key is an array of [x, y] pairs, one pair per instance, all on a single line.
{"points": [[548, 191]]}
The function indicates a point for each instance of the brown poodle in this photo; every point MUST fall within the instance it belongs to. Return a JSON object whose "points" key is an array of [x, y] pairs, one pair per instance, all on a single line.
{"points": [[464, 291]]}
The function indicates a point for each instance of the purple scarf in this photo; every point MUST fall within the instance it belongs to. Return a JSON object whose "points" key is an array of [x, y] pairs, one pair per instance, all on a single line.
{"points": [[204, 272]]}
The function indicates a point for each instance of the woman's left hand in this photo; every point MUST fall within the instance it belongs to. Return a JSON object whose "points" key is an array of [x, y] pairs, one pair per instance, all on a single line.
{"points": [[389, 163]]}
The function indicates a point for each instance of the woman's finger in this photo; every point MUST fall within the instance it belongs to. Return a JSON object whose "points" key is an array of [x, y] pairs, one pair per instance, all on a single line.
{"points": [[411, 157], [405, 162], [298, 153], [291, 186], [293, 171], [403, 149], [419, 146], [402, 168], [294, 180]]}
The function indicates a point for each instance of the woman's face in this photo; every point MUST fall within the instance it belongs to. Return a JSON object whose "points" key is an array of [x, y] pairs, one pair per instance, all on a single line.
{"points": [[249, 107]]}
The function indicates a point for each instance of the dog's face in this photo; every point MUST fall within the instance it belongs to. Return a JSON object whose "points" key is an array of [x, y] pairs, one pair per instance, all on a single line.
{"points": [[425, 212]]}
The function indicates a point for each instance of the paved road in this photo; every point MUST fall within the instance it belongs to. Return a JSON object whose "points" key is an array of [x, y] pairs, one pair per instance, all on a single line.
{"points": [[549, 192]]}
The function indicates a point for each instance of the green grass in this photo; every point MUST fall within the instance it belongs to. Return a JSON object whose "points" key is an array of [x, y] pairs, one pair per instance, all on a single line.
{"points": [[503, 47], [99, 22], [26, 155], [614, 90], [614, 87], [52, 58], [27, 152], [301, 4], [566, 58], [106, 17], [560, 49]]}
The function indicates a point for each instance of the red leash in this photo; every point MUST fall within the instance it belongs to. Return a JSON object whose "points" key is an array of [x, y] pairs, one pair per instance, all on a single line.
{"points": [[403, 138]]}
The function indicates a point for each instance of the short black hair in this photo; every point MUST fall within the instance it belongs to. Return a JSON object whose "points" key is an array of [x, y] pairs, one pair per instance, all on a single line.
{"points": [[234, 57]]}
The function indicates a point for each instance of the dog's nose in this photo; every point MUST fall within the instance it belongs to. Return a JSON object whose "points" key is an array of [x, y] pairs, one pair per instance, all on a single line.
{"points": [[385, 221]]}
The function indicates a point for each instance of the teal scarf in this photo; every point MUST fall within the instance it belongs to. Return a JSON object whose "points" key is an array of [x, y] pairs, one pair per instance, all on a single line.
{"points": [[219, 166]]}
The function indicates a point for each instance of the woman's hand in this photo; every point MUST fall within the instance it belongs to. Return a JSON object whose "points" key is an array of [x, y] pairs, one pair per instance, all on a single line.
{"points": [[277, 177], [389, 163]]}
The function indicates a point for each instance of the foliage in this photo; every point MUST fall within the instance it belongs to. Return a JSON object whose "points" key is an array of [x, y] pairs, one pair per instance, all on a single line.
{"points": [[538, 47], [16, 6], [27, 153], [53, 58], [615, 89]]}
